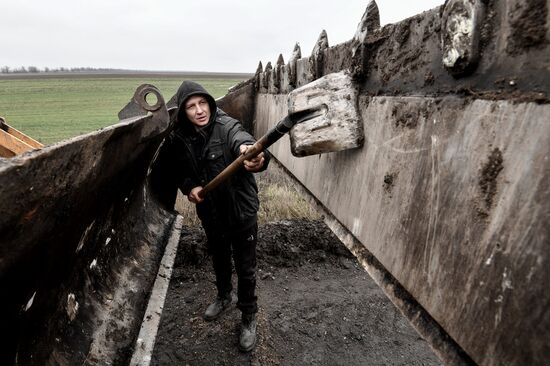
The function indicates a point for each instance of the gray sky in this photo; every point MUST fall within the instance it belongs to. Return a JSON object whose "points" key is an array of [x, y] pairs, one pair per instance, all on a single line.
{"points": [[200, 35]]}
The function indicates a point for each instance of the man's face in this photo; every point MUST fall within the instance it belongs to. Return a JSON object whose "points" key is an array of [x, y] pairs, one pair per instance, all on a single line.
{"points": [[197, 110]]}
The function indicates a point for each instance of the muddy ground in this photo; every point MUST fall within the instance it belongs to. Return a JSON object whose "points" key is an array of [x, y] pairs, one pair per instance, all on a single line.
{"points": [[317, 306]]}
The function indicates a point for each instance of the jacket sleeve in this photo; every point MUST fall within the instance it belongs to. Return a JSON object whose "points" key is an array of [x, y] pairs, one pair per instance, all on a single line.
{"points": [[187, 184], [162, 179], [238, 136], [168, 173], [181, 168]]}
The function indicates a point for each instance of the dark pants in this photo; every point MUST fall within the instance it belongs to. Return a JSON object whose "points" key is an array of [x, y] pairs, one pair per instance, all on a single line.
{"points": [[243, 248]]}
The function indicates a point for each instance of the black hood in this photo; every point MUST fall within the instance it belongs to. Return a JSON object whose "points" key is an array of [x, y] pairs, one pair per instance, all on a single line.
{"points": [[188, 89]]}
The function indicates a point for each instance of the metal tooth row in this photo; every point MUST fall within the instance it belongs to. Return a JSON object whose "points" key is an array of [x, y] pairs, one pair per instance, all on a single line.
{"points": [[283, 78], [461, 23]]}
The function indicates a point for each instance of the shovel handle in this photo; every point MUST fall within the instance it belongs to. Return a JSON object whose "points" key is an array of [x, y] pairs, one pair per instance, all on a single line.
{"points": [[263, 143], [231, 168]]}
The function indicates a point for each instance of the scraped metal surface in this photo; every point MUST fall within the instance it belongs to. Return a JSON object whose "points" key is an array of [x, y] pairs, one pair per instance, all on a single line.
{"points": [[448, 193]]}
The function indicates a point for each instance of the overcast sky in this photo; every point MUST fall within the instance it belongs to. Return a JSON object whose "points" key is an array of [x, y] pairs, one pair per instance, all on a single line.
{"points": [[178, 35]]}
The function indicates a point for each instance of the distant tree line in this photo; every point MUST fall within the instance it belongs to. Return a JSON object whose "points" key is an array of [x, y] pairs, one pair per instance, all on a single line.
{"points": [[34, 69]]}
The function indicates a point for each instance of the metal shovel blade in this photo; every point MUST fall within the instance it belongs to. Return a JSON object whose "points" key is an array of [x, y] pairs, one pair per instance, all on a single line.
{"points": [[332, 121]]}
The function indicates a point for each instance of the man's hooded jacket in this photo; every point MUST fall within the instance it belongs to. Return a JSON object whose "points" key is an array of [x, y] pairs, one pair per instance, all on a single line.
{"points": [[192, 157]]}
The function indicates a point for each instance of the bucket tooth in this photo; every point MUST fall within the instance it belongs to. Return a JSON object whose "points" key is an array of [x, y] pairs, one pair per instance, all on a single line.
{"points": [[296, 55], [265, 76], [460, 34], [268, 77], [322, 43], [317, 58], [260, 68], [258, 76], [369, 22], [280, 60], [278, 72]]}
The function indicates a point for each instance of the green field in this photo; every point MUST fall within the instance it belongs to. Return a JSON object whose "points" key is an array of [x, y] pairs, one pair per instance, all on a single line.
{"points": [[54, 109]]}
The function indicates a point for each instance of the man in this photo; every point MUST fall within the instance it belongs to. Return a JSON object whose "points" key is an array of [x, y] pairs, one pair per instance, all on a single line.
{"points": [[204, 141]]}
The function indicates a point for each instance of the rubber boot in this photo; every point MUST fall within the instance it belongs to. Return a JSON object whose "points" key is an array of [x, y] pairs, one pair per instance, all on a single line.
{"points": [[247, 340], [217, 307]]}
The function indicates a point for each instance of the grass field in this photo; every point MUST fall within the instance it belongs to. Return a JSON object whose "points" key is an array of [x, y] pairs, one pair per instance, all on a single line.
{"points": [[54, 109]]}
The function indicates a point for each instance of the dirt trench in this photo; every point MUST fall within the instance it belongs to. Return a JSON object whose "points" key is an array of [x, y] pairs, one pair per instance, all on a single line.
{"points": [[317, 306]]}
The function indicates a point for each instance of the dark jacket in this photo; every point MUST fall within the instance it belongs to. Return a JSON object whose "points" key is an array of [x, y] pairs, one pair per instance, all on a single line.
{"points": [[197, 156]]}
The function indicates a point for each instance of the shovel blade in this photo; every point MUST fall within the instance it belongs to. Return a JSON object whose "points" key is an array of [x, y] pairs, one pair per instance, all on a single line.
{"points": [[332, 121]]}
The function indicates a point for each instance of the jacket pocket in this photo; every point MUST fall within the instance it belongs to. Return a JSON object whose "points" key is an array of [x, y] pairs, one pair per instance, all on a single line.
{"points": [[215, 161], [245, 197]]}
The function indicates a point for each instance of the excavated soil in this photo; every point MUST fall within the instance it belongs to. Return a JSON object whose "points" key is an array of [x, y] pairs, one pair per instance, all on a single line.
{"points": [[317, 306]]}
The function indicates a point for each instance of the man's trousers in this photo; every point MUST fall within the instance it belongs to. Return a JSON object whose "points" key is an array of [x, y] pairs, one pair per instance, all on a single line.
{"points": [[242, 248]]}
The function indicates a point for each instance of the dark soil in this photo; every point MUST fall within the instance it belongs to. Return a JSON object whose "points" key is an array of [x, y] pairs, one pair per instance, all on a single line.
{"points": [[317, 306]]}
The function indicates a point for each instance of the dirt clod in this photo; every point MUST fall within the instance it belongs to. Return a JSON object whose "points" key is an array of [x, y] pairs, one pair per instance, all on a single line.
{"points": [[389, 182], [488, 179], [406, 115]]}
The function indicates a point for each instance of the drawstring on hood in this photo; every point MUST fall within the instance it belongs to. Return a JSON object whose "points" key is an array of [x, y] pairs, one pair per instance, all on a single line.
{"points": [[186, 90]]}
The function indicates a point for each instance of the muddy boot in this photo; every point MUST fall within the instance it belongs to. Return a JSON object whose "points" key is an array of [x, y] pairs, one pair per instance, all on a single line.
{"points": [[247, 340], [217, 307]]}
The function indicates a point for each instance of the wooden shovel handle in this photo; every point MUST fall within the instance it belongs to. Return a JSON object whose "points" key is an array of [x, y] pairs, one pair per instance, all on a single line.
{"points": [[274, 134], [252, 151]]}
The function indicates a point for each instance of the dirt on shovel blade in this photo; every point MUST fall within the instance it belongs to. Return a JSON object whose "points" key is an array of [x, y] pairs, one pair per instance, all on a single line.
{"points": [[317, 306]]}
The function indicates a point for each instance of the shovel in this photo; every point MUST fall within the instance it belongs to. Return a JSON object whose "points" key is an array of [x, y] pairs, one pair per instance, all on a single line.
{"points": [[322, 118]]}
